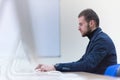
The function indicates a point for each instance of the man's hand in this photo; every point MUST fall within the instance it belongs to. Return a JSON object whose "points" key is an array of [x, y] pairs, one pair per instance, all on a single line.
{"points": [[45, 68]]}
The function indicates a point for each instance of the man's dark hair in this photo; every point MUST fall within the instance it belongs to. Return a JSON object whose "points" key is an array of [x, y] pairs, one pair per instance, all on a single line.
{"points": [[89, 14]]}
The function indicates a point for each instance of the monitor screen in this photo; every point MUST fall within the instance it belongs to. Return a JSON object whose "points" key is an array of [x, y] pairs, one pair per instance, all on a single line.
{"points": [[40, 29]]}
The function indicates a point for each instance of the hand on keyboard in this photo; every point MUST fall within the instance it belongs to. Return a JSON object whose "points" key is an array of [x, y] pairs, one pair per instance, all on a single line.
{"points": [[45, 68]]}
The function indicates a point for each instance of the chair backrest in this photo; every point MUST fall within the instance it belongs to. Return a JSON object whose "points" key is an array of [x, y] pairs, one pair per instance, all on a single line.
{"points": [[113, 70]]}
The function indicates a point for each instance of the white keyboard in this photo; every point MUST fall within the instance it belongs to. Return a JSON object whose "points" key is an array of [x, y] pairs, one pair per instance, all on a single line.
{"points": [[50, 73], [37, 73]]}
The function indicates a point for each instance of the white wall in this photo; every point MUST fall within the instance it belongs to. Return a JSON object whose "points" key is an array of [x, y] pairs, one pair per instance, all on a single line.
{"points": [[72, 44]]}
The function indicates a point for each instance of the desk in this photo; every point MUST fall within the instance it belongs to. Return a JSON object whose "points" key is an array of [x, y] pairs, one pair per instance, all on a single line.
{"points": [[62, 76], [90, 76]]}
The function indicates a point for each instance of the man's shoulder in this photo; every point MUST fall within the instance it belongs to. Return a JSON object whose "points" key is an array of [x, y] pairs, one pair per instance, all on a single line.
{"points": [[103, 36], [105, 39]]}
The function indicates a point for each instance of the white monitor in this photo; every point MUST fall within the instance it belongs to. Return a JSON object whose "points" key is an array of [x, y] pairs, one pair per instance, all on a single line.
{"points": [[40, 27]]}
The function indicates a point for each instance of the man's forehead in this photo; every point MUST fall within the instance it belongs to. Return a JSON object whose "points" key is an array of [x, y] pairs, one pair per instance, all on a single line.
{"points": [[82, 18]]}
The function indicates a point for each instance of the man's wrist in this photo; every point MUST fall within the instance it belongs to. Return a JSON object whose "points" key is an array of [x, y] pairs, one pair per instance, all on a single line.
{"points": [[56, 66]]}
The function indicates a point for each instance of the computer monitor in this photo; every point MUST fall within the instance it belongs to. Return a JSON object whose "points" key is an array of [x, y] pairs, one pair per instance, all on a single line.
{"points": [[40, 27]]}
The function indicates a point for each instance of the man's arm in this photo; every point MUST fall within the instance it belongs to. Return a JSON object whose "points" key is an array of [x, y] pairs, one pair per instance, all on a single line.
{"points": [[90, 61]]}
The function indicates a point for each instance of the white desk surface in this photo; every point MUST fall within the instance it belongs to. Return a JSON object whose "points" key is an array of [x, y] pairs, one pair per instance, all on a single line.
{"points": [[90, 76], [65, 76]]}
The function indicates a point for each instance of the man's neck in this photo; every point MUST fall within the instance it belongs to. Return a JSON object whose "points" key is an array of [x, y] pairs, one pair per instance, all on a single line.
{"points": [[94, 28], [92, 33]]}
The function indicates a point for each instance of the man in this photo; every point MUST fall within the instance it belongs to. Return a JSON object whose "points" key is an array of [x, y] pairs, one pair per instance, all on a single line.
{"points": [[100, 52]]}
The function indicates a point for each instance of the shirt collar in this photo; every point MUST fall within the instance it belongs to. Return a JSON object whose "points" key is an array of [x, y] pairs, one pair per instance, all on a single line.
{"points": [[93, 33]]}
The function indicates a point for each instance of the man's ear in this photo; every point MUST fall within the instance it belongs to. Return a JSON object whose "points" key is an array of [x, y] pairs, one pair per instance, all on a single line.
{"points": [[92, 23]]}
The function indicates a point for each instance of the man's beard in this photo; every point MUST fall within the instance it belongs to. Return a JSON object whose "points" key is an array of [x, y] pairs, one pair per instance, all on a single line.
{"points": [[89, 30]]}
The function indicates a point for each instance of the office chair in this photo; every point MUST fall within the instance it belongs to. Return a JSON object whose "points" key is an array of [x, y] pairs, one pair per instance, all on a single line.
{"points": [[113, 71]]}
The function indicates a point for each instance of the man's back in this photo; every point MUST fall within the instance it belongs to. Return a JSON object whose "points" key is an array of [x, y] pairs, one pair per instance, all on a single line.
{"points": [[103, 48]]}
